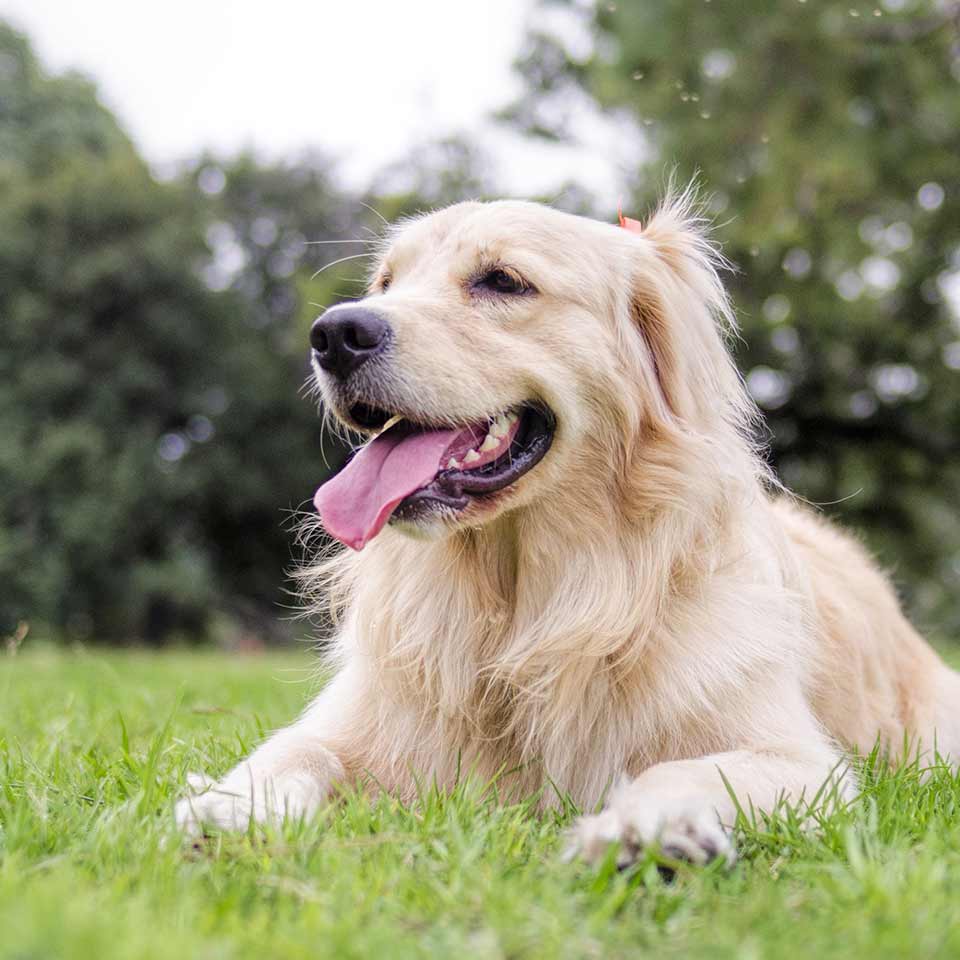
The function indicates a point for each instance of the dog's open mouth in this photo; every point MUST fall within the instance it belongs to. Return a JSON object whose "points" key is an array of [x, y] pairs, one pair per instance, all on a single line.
{"points": [[409, 470]]}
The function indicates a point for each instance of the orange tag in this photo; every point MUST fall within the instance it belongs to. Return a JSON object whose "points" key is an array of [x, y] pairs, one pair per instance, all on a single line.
{"points": [[635, 226]]}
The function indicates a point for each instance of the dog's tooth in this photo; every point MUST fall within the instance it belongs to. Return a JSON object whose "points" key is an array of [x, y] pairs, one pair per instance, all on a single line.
{"points": [[512, 417], [390, 423], [490, 442], [499, 427], [453, 464], [471, 457]]}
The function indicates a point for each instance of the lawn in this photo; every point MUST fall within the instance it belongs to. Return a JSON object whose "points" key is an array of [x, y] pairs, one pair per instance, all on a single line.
{"points": [[94, 747]]}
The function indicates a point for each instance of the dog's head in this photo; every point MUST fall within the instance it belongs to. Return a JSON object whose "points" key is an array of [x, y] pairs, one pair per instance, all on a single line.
{"points": [[507, 353]]}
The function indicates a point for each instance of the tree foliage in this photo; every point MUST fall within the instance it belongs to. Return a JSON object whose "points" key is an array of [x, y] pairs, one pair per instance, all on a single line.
{"points": [[98, 361]]}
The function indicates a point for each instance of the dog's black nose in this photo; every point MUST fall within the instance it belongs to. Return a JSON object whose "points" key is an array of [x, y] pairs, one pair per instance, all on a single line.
{"points": [[344, 338]]}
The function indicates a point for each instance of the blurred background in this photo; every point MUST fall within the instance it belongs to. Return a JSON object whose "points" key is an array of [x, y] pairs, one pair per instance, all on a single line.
{"points": [[178, 184]]}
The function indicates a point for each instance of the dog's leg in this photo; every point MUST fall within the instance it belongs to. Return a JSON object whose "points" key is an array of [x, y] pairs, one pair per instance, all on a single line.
{"points": [[685, 806], [288, 776]]}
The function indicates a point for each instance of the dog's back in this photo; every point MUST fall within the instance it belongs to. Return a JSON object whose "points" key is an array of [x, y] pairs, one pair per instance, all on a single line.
{"points": [[873, 675]]}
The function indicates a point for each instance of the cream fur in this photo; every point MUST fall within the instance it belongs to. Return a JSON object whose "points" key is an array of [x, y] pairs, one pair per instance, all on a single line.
{"points": [[645, 607]]}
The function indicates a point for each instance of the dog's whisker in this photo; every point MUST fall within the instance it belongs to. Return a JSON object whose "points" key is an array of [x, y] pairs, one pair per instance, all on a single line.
{"points": [[375, 212], [314, 243], [325, 267]]}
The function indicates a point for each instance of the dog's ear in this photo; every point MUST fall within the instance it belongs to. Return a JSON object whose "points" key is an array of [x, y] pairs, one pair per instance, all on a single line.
{"points": [[679, 304], [650, 314]]}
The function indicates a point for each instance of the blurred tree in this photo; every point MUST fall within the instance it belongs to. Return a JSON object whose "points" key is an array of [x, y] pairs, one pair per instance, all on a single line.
{"points": [[98, 366], [433, 174], [827, 137]]}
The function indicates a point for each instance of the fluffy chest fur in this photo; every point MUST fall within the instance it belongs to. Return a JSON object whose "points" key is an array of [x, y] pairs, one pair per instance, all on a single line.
{"points": [[563, 668]]}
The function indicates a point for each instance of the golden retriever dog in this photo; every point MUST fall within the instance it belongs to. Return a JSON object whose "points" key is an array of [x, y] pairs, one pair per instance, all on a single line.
{"points": [[567, 558]]}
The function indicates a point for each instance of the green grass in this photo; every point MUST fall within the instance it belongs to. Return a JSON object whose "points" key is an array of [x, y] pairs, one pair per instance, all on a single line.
{"points": [[94, 748]]}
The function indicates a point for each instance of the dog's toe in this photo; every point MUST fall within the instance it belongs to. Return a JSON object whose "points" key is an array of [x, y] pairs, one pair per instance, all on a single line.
{"points": [[697, 839], [694, 837]]}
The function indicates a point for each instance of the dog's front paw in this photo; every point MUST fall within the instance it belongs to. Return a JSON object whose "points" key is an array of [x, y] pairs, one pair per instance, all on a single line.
{"points": [[691, 833], [244, 797]]}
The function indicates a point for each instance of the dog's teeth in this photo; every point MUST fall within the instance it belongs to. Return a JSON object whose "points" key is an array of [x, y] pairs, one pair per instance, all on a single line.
{"points": [[471, 457], [499, 427], [512, 417], [453, 464], [490, 442], [390, 423]]}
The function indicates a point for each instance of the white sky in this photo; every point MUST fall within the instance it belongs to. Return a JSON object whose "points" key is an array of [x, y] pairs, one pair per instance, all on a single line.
{"points": [[366, 80]]}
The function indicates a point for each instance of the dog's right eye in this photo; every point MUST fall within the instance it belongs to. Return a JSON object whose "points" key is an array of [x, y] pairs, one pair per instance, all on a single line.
{"points": [[501, 282]]}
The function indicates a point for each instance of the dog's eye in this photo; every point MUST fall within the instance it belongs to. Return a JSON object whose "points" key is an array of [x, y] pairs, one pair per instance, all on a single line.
{"points": [[499, 281]]}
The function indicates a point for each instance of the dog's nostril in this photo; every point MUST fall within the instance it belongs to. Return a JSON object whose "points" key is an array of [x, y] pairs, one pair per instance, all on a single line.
{"points": [[352, 337], [318, 340], [366, 333]]}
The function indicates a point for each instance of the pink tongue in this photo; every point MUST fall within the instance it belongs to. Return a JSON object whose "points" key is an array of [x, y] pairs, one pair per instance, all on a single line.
{"points": [[356, 503]]}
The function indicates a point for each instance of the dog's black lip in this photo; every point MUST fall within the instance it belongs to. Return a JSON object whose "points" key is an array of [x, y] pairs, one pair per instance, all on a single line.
{"points": [[454, 489], [367, 416]]}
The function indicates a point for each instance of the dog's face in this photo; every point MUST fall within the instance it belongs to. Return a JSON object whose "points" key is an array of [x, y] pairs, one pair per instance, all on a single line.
{"points": [[508, 337]]}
